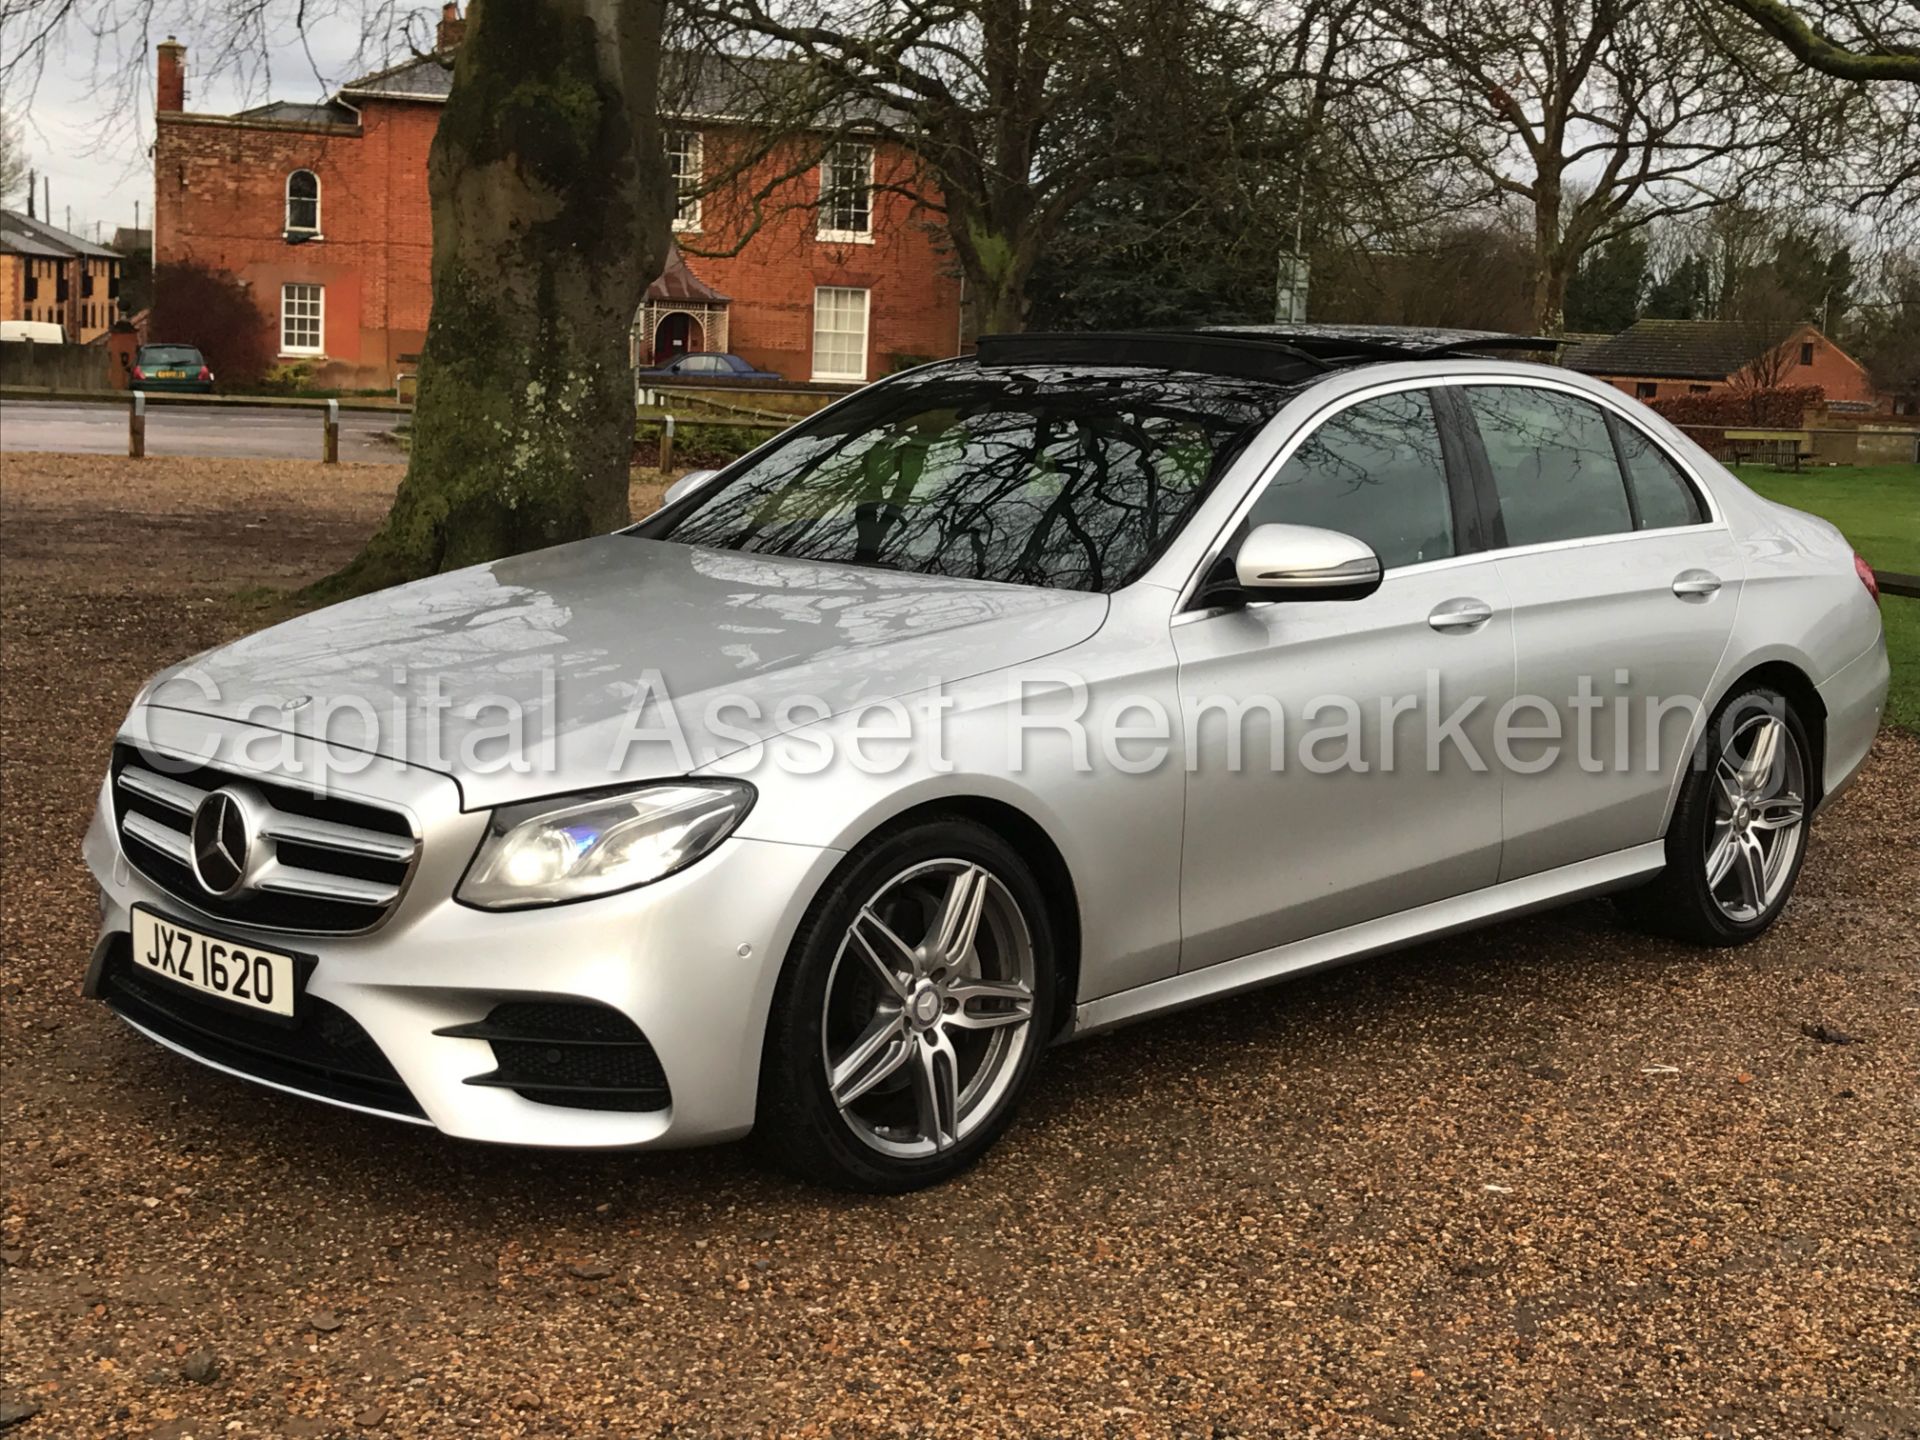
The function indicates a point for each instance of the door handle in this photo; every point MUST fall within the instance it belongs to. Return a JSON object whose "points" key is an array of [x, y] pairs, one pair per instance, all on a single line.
{"points": [[1695, 584], [1460, 615]]}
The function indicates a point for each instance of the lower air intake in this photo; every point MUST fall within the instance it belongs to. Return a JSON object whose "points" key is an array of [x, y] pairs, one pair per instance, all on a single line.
{"points": [[569, 1052]]}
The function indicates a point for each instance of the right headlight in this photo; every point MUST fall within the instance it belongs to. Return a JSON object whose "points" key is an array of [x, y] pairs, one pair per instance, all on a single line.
{"points": [[578, 847]]}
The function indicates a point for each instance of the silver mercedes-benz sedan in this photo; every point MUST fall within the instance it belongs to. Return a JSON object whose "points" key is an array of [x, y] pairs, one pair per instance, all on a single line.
{"points": [[1008, 700]]}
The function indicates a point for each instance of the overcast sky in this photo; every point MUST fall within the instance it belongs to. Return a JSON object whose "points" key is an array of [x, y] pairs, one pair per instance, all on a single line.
{"points": [[78, 130]]}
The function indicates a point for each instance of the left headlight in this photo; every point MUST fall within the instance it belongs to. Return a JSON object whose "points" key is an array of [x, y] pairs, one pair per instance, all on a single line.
{"points": [[551, 851]]}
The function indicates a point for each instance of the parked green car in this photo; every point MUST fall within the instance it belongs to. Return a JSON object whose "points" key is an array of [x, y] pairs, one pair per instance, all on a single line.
{"points": [[172, 367]]}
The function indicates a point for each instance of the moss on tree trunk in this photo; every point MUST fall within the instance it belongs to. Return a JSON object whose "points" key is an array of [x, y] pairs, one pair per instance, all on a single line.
{"points": [[551, 207]]}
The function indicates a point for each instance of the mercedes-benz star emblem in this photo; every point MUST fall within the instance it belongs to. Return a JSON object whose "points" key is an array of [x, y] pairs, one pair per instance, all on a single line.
{"points": [[221, 840]]}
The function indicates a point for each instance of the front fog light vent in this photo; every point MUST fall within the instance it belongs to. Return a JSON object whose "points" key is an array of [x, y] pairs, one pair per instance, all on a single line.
{"points": [[570, 1053]]}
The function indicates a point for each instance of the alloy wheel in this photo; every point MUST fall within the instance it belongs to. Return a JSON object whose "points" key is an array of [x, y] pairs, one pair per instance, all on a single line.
{"points": [[929, 1008], [1757, 821]]}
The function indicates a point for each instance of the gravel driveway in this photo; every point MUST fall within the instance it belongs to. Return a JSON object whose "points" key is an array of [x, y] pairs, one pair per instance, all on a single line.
{"points": [[1553, 1178]]}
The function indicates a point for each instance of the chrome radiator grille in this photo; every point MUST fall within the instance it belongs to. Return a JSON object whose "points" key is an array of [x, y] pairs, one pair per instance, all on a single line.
{"points": [[311, 861]]}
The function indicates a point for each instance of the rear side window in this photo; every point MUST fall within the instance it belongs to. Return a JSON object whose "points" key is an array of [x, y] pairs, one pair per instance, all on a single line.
{"points": [[1659, 489], [1553, 464], [1374, 471]]}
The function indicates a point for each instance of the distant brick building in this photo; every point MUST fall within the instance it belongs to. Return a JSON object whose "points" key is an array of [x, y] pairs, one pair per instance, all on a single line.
{"points": [[49, 275], [323, 210], [1659, 359]]}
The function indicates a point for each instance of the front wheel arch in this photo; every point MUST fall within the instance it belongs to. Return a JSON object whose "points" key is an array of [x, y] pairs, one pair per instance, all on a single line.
{"points": [[1038, 849]]}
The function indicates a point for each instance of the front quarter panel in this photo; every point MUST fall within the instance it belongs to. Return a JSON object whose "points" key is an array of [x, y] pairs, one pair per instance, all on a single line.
{"points": [[1115, 819]]}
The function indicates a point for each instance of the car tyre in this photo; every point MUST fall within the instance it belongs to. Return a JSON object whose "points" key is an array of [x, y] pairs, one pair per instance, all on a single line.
{"points": [[1739, 832], [917, 996]]}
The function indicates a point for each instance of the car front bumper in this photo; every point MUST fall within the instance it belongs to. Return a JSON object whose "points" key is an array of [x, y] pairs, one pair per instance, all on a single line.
{"points": [[691, 960]]}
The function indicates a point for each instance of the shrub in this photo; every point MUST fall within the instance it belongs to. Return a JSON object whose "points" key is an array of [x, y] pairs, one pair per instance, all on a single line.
{"points": [[699, 444], [1707, 418], [215, 312], [287, 379]]}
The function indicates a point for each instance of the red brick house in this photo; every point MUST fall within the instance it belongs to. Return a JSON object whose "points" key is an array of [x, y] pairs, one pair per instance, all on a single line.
{"points": [[1659, 359], [323, 210]]}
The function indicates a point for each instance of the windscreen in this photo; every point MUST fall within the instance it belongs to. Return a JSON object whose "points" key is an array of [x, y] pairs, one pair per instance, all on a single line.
{"points": [[1071, 479]]}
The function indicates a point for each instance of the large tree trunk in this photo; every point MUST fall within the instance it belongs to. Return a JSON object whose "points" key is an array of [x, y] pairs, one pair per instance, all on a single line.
{"points": [[997, 269], [551, 212], [1552, 262]]}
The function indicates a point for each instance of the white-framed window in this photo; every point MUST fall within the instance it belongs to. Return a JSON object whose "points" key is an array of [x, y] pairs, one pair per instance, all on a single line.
{"points": [[846, 191], [839, 333], [303, 315], [685, 162], [303, 203]]}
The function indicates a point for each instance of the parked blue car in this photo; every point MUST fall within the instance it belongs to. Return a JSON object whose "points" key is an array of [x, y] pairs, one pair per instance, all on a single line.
{"points": [[706, 365]]}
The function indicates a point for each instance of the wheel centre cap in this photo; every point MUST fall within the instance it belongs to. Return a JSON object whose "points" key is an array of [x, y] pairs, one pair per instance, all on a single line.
{"points": [[924, 1005]]}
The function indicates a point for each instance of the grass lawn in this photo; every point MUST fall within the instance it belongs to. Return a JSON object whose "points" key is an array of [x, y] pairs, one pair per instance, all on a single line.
{"points": [[1877, 507]]}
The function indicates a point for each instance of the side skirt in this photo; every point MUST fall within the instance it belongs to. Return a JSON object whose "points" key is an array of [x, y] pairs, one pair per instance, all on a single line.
{"points": [[1372, 937]]}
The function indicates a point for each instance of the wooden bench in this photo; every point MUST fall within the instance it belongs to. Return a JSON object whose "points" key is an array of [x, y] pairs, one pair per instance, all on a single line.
{"points": [[1786, 448]]}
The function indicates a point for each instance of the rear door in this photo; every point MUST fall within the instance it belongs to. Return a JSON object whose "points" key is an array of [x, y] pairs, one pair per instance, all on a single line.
{"points": [[1623, 587], [1288, 836]]}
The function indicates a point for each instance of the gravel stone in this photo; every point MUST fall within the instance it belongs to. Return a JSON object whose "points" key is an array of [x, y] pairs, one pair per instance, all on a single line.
{"points": [[202, 1367], [15, 1412]]}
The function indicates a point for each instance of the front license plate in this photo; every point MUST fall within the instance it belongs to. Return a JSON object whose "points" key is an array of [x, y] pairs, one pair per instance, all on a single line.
{"points": [[240, 974]]}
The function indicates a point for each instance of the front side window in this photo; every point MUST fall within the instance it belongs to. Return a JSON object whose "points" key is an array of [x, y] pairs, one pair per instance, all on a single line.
{"points": [[302, 319], [1553, 464], [1065, 478], [303, 203], [685, 163], [839, 334], [1374, 471], [846, 192], [1660, 491]]}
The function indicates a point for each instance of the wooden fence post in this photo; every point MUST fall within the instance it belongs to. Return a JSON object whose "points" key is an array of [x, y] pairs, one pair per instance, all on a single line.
{"points": [[666, 443], [330, 447], [137, 426]]}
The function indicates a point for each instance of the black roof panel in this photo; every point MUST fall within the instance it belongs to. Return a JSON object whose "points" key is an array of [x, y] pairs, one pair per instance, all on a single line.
{"points": [[1252, 359], [1383, 342]]}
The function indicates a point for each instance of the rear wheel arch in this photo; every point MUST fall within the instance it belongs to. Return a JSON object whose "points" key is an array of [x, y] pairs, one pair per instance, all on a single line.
{"points": [[1798, 687]]}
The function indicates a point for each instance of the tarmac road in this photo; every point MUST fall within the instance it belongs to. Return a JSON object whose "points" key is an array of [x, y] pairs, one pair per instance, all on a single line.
{"points": [[240, 431]]}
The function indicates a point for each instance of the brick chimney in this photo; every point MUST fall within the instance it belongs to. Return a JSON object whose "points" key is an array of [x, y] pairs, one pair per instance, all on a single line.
{"points": [[171, 76], [453, 27]]}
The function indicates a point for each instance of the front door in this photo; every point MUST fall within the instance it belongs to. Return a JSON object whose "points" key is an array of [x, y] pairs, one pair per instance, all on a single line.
{"points": [[677, 335], [1342, 751]]}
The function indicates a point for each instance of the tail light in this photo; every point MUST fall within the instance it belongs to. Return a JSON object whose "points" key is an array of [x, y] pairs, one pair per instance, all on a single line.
{"points": [[138, 373], [1865, 572], [205, 373]]}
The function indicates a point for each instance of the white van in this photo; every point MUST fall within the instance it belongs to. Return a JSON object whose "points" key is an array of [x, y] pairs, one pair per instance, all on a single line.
{"points": [[35, 332]]}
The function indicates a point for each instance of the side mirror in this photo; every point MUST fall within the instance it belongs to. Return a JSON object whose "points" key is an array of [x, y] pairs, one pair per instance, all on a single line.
{"points": [[687, 484], [1295, 562]]}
